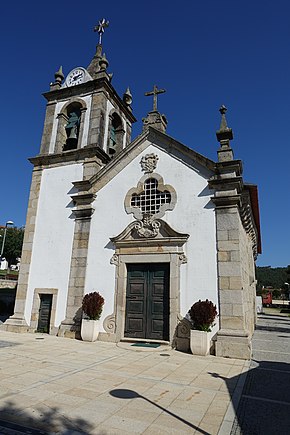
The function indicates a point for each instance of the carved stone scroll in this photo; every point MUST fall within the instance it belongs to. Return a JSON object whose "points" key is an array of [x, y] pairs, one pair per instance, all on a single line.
{"points": [[110, 324], [114, 260]]}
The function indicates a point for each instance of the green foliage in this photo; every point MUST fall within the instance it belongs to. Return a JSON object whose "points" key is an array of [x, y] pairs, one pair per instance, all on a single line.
{"points": [[268, 276], [93, 305], [203, 314], [13, 243]]}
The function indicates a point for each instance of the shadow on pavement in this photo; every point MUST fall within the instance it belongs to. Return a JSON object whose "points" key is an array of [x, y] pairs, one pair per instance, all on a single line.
{"points": [[131, 394], [272, 328], [46, 421], [263, 405]]}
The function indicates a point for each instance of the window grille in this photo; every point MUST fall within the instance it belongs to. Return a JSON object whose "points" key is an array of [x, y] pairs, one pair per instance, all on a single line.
{"points": [[150, 200]]}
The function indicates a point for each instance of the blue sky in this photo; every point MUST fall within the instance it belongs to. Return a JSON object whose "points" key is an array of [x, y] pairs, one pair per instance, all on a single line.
{"points": [[203, 53]]}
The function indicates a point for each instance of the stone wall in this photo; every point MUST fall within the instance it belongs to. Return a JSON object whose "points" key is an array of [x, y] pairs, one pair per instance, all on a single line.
{"points": [[236, 285], [248, 280]]}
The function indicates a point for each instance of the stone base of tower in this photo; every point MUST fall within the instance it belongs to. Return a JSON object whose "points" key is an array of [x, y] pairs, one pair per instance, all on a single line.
{"points": [[234, 344], [16, 323], [69, 329]]}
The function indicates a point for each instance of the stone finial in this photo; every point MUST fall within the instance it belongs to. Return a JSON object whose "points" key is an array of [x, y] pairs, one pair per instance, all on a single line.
{"points": [[224, 135], [223, 111], [59, 76], [156, 120], [103, 62], [94, 66], [127, 97], [224, 132]]}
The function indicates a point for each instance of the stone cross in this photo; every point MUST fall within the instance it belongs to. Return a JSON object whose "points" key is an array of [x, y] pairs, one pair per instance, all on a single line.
{"points": [[155, 92], [100, 28]]}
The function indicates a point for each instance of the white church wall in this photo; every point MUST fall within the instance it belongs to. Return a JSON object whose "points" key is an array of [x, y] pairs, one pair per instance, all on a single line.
{"points": [[54, 229], [193, 214]]}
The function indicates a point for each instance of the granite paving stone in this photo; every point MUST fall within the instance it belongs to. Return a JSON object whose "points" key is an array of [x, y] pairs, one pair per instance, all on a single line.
{"points": [[69, 386]]}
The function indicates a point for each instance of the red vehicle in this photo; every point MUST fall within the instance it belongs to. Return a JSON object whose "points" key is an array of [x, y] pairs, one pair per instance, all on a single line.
{"points": [[267, 299]]}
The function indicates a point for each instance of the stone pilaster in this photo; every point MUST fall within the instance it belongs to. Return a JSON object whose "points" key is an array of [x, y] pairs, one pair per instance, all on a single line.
{"points": [[236, 240], [70, 327], [61, 136], [97, 120], [234, 336], [47, 129], [17, 322]]}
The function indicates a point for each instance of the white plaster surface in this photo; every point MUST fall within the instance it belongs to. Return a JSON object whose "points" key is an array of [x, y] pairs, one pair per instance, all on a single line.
{"points": [[54, 229], [193, 214]]}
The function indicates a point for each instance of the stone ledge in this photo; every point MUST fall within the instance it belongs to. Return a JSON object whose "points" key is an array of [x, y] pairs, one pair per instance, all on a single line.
{"points": [[234, 344]]}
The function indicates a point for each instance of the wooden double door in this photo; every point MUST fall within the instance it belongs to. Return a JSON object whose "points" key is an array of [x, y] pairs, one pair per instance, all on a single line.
{"points": [[147, 301]]}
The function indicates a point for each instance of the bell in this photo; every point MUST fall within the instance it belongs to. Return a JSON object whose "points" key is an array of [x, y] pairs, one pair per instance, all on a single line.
{"points": [[72, 140], [73, 133]]}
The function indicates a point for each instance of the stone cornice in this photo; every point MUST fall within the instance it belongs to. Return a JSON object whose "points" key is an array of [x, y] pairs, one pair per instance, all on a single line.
{"points": [[83, 203], [89, 87], [165, 236], [248, 220], [226, 184], [226, 201], [68, 157], [235, 166]]}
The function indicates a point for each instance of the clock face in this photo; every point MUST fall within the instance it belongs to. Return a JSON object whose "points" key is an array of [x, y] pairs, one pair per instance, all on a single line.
{"points": [[75, 77]]}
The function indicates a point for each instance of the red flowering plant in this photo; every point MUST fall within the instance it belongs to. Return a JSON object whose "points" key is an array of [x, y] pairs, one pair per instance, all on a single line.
{"points": [[203, 314], [92, 305]]}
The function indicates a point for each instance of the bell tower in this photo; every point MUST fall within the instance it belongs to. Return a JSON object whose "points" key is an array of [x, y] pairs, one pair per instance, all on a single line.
{"points": [[85, 111], [86, 124]]}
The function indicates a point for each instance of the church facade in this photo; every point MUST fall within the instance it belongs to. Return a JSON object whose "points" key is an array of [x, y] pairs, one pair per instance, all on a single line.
{"points": [[150, 224]]}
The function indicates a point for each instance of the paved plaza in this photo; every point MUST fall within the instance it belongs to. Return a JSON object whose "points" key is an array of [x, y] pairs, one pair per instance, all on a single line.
{"points": [[61, 386], [264, 408]]}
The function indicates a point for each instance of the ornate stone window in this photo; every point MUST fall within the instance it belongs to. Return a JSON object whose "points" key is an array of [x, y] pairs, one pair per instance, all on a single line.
{"points": [[152, 198]]}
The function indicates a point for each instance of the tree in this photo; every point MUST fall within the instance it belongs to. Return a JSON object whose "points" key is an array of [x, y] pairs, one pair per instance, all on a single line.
{"points": [[13, 244], [268, 276]]}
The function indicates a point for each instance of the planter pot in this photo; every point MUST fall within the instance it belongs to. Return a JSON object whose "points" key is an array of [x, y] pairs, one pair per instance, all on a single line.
{"points": [[90, 330], [199, 342]]}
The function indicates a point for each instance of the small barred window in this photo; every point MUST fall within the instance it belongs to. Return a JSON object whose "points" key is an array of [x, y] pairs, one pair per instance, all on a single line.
{"points": [[150, 199]]}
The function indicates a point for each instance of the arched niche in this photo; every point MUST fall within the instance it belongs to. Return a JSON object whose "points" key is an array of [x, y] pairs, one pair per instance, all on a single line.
{"points": [[70, 126], [116, 133]]}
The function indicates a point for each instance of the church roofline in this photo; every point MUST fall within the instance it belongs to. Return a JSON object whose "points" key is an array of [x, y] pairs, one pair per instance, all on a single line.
{"points": [[68, 157], [253, 191], [153, 135]]}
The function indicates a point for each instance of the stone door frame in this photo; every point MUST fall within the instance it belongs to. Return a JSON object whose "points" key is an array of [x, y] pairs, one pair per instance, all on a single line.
{"points": [[114, 324], [36, 305]]}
